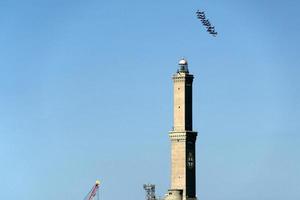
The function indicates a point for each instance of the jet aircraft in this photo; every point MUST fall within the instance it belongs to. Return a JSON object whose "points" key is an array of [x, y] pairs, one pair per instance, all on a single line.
{"points": [[206, 23]]}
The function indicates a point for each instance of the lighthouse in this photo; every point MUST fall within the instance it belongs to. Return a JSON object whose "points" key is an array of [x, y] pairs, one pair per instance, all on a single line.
{"points": [[183, 138]]}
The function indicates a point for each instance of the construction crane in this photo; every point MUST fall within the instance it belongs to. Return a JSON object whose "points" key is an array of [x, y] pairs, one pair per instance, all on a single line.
{"points": [[94, 192]]}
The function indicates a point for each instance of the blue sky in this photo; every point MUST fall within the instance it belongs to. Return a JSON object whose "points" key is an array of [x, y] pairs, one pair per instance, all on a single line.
{"points": [[86, 94]]}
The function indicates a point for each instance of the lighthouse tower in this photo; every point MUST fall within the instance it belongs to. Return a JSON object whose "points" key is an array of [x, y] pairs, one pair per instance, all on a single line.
{"points": [[183, 138]]}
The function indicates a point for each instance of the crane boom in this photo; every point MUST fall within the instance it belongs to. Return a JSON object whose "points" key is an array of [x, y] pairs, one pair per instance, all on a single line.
{"points": [[93, 192]]}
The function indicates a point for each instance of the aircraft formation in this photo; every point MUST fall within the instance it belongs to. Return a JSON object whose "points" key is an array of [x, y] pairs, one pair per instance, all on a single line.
{"points": [[209, 28]]}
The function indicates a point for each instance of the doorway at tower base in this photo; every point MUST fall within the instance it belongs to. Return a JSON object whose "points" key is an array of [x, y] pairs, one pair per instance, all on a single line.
{"points": [[174, 194]]}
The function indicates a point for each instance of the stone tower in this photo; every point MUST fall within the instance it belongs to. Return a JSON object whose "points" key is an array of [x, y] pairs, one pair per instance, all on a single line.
{"points": [[183, 138]]}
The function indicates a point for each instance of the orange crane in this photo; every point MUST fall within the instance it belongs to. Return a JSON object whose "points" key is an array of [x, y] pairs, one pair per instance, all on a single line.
{"points": [[94, 191]]}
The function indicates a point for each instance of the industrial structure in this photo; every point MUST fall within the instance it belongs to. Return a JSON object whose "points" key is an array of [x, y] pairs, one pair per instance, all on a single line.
{"points": [[183, 138], [150, 191]]}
